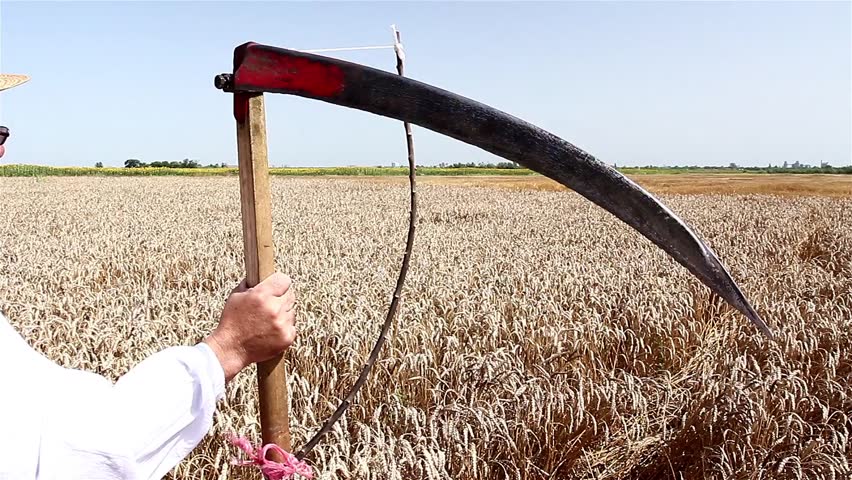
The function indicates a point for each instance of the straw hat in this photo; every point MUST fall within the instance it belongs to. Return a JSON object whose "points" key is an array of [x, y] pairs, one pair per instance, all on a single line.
{"points": [[8, 80]]}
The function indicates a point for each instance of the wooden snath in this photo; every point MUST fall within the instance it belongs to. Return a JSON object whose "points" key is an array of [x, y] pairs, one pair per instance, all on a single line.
{"points": [[256, 208]]}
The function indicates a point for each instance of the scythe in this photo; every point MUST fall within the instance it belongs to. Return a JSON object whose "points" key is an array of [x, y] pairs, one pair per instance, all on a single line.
{"points": [[260, 69]]}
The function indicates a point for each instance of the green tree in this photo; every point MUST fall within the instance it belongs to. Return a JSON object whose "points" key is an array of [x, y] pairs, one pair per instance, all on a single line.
{"points": [[132, 163], [511, 165], [99, 165]]}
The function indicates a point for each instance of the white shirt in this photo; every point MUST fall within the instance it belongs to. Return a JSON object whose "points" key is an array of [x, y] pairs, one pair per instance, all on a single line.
{"points": [[59, 423]]}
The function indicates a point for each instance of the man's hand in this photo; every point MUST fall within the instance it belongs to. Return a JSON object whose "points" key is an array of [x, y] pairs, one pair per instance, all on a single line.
{"points": [[257, 324]]}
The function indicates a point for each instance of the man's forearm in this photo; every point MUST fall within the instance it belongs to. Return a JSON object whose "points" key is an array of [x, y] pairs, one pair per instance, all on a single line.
{"points": [[230, 357]]}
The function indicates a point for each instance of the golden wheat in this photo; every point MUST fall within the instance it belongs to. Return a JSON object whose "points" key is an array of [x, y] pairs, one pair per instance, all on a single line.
{"points": [[538, 336]]}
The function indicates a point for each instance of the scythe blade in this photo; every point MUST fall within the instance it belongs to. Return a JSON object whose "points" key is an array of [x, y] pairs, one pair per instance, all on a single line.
{"points": [[263, 68]]}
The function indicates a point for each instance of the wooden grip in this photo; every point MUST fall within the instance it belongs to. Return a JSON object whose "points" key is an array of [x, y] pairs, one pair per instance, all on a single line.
{"points": [[256, 207]]}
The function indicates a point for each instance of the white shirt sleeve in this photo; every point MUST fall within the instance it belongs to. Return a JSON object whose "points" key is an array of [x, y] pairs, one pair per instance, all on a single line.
{"points": [[138, 428]]}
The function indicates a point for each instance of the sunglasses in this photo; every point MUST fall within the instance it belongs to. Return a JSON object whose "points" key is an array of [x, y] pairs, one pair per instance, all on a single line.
{"points": [[4, 134]]}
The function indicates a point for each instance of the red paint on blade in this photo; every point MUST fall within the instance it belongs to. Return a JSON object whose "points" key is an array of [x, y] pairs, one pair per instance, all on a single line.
{"points": [[268, 70]]}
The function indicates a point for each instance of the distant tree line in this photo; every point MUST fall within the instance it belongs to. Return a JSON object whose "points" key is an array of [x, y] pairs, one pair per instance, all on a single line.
{"points": [[480, 165], [804, 169], [185, 163], [795, 167]]}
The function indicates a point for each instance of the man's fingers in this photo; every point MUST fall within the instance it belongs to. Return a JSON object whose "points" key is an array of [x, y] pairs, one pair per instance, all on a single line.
{"points": [[276, 284], [289, 322]]}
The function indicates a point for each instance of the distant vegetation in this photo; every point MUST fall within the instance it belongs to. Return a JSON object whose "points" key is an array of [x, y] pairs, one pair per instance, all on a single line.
{"points": [[154, 170], [734, 168], [187, 167], [186, 163], [506, 165]]}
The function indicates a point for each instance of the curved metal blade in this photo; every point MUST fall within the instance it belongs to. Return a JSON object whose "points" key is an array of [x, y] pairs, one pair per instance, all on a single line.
{"points": [[262, 68]]}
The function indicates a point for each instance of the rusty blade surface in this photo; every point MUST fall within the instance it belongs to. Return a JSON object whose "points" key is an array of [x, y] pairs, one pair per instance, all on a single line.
{"points": [[263, 68]]}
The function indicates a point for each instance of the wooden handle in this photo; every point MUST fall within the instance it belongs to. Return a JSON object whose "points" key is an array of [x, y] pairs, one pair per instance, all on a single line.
{"points": [[256, 206]]}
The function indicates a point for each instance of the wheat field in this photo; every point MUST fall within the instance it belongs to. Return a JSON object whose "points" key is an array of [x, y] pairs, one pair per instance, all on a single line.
{"points": [[538, 337]]}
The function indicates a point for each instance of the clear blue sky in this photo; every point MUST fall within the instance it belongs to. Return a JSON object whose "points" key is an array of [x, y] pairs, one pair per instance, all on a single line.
{"points": [[635, 83]]}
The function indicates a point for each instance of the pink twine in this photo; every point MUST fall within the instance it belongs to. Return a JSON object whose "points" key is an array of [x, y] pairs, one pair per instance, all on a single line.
{"points": [[271, 470]]}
